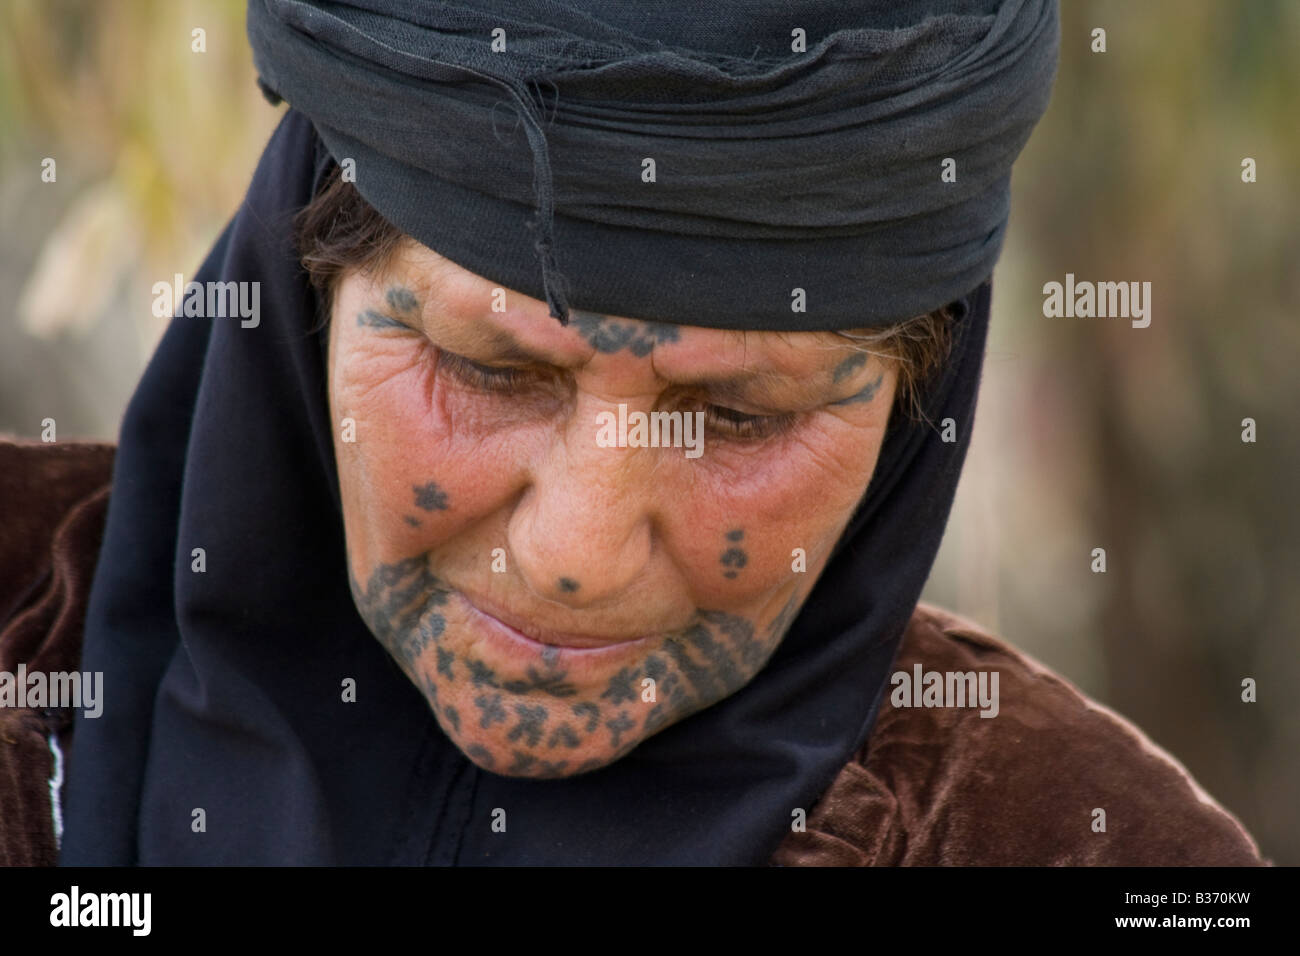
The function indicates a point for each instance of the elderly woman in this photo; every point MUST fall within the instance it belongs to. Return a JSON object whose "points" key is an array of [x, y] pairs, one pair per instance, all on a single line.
{"points": [[570, 496]]}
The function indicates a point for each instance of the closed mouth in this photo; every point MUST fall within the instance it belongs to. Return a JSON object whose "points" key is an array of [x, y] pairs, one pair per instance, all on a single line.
{"points": [[546, 636]]}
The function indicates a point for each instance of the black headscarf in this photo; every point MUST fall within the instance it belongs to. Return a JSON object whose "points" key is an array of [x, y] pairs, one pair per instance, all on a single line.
{"points": [[222, 688], [870, 169]]}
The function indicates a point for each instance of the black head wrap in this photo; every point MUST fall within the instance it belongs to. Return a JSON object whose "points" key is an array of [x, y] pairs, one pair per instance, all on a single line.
{"points": [[222, 688], [512, 137]]}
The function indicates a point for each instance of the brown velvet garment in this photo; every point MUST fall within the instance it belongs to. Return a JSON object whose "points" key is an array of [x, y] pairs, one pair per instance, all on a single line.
{"points": [[940, 785], [53, 502], [945, 786]]}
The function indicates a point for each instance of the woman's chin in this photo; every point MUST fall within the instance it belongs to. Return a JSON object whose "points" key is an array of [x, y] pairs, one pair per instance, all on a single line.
{"points": [[502, 756]]}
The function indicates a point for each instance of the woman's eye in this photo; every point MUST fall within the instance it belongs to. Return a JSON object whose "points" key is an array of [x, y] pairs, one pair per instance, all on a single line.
{"points": [[739, 425], [731, 424], [486, 378]]}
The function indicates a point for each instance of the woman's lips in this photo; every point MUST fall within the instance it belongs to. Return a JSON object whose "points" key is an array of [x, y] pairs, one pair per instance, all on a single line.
{"points": [[542, 639]]}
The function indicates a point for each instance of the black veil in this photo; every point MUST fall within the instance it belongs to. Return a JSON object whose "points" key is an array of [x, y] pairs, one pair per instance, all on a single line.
{"points": [[221, 688]]}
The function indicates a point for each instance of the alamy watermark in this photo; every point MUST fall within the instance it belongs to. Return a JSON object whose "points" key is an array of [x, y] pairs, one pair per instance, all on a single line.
{"points": [[946, 689], [1102, 300], [38, 689], [651, 430], [75, 908], [212, 300]]}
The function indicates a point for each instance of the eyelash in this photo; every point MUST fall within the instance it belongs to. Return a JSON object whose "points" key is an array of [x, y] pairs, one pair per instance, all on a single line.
{"points": [[485, 378], [744, 427], [495, 380]]}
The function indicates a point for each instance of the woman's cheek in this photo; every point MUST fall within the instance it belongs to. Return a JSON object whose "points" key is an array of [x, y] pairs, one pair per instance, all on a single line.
{"points": [[747, 517], [429, 457]]}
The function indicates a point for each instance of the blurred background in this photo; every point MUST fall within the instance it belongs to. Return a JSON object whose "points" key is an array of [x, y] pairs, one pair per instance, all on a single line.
{"points": [[1089, 434]]}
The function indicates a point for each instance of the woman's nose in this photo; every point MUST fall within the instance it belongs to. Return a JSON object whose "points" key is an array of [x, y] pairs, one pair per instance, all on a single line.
{"points": [[583, 531]]}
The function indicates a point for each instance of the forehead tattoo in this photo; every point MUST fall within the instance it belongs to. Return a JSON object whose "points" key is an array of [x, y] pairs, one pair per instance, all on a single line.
{"points": [[609, 335], [640, 337]]}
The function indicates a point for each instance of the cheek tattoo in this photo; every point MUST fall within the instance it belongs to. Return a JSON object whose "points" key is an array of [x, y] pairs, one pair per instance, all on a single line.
{"points": [[734, 558]]}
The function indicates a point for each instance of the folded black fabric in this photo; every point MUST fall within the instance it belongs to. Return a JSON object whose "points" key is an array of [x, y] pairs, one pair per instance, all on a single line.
{"points": [[221, 689], [515, 139], [775, 171]]}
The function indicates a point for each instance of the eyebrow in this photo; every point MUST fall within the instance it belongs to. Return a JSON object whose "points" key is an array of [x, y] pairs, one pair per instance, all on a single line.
{"points": [[822, 387], [742, 386], [738, 386]]}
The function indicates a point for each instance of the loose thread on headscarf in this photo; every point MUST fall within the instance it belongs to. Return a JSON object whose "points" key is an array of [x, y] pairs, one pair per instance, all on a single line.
{"points": [[544, 224]]}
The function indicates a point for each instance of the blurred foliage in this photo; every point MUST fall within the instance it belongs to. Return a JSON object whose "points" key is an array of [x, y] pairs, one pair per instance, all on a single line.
{"points": [[1092, 433], [154, 144]]}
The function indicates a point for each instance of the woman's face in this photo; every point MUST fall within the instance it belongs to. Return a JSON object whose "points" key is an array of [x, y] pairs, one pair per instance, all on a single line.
{"points": [[559, 596]]}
